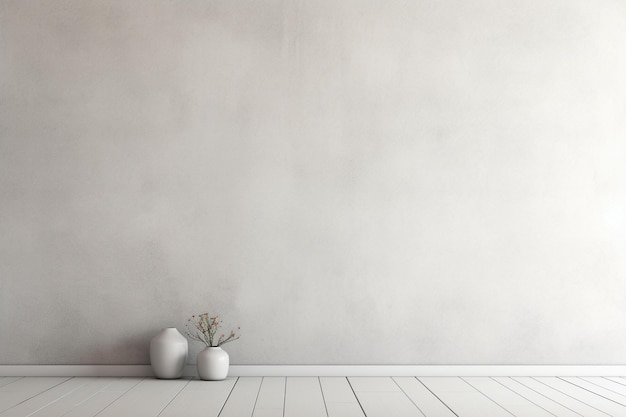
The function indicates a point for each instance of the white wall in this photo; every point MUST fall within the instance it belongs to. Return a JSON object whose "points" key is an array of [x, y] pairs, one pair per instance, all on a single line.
{"points": [[351, 182]]}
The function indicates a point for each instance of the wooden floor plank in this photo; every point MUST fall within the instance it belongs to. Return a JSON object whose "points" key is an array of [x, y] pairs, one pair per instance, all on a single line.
{"points": [[95, 405], [337, 390], [589, 398], [303, 398], [44, 399], [9, 380], [607, 384], [507, 399], [344, 410], [268, 412], [271, 399], [616, 379], [62, 405], [382, 397], [566, 400], [104, 398], [548, 404], [90, 386], [339, 398], [26, 388], [315, 397], [33, 385], [426, 401], [597, 389], [462, 398], [123, 384], [146, 399], [387, 404], [200, 398], [242, 398]]}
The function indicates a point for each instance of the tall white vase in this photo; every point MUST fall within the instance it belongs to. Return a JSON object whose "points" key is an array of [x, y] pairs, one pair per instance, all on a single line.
{"points": [[168, 353], [213, 364]]}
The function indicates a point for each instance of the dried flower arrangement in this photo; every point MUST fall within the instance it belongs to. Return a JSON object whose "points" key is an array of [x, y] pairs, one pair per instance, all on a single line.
{"points": [[204, 329]]}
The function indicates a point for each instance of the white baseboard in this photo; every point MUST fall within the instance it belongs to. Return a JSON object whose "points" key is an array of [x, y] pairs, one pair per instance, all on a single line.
{"points": [[325, 370]]}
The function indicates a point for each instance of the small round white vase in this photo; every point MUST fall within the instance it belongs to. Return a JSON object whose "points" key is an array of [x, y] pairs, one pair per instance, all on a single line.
{"points": [[213, 364], [168, 354]]}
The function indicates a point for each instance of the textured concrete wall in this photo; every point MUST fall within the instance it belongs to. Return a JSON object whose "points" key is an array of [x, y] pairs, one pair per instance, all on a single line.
{"points": [[351, 182]]}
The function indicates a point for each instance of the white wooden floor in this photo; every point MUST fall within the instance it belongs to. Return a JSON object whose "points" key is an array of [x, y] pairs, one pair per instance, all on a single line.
{"points": [[315, 397]]}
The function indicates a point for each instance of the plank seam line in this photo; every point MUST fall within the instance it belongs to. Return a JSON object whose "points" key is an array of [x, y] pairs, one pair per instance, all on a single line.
{"points": [[12, 382], [527, 399], [407, 395], [226, 400], [355, 396], [319, 381], [95, 393], [257, 396], [39, 393], [285, 397], [56, 399], [574, 398], [118, 398], [173, 398], [620, 383], [488, 397], [545, 396], [588, 390], [600, 386], [436, 396]]}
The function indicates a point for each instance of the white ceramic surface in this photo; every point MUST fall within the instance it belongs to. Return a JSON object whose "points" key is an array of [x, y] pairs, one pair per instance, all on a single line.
{"points": [[168, 353], [213, 364]]}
